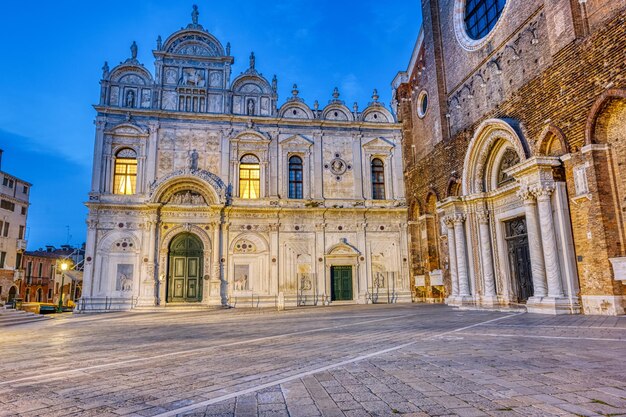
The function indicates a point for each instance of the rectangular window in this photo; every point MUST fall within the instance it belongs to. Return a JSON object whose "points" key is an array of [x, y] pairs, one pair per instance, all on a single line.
{"points": [[249, 181], [51, 271], [40, 270], [49, 294], [3, 258], [29, 269], [23, 210], [5, 232], [125, 179], [5, 181], [20, 234], [25, 189], [7, 205], [18, 261]]}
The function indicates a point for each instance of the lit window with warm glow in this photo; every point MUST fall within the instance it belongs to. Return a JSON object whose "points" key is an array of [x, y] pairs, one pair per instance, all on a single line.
{"points": [[125, 178], [249, 177]]}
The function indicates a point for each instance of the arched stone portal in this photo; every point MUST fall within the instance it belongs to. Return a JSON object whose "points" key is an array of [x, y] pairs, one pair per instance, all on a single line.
{"points": [[509, 233]]}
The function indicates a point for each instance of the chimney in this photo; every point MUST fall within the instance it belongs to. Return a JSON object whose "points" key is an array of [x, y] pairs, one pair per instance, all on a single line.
{"points": [[49, 248]]}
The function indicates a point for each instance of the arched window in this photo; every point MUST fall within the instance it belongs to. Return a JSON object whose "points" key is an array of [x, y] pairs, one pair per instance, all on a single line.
{"points": [[295, 177], [249, 177], [378, 179], [125, 178]]}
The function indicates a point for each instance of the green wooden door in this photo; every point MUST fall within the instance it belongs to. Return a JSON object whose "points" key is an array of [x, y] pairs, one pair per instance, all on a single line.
{"points": [[185, 269], [341, 283]]}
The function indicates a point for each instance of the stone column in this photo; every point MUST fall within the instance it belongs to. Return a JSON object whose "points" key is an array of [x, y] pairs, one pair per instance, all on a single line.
{"points": [[487, 256], [449, 221], [534, 243], [461, 255], [90, 252], [98, 161], [548, 239]]}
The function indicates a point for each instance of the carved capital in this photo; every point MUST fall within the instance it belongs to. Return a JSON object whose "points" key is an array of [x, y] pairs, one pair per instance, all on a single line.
{"points": [[543, 191], [526, 194], [459, 218], [483, 217], [448, 221]]}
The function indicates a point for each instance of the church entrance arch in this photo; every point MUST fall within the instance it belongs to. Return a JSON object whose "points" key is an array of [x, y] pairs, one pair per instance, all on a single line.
{"points": [[185, 269]]}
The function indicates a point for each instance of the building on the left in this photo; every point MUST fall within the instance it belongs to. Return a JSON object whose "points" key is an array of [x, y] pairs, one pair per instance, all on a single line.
{"points": [[14, 203]]}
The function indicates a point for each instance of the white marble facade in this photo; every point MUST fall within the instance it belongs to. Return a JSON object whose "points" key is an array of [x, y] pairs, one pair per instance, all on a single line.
{"points": [[190, 131]]}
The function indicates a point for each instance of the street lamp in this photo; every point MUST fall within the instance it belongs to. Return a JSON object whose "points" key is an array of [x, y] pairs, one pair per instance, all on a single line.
{"points": [[63, 269]]}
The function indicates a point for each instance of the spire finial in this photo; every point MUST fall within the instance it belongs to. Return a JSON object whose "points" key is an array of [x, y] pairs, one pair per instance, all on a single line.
{"points": [[252, 60], [194, 15], [274, 84], [228, 49], [375, 96], [159, 43], [336, 93], [295, 91], [105, 70], [133, 50]]}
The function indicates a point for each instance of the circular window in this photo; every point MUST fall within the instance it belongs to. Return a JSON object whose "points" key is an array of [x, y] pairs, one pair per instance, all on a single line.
{"points": [[422, 104], [475, 21]]}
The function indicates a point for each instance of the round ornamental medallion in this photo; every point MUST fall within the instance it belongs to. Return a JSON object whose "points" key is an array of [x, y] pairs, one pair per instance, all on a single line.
{"points": [[338, 166]]}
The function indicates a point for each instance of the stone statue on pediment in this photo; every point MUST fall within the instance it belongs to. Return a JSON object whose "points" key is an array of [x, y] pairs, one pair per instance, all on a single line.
{"points": [[133, 50], [194, 15]]}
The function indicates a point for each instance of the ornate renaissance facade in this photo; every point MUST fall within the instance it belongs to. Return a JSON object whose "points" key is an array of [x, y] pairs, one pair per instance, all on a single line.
{"points": [[206, 191], [514, 115]]}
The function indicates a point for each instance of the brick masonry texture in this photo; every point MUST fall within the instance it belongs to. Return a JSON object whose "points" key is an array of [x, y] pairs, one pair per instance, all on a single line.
{"points": [[563, 101]]}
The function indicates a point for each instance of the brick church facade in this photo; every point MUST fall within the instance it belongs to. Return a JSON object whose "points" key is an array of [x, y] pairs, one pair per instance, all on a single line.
{"points": [[514, 136]]}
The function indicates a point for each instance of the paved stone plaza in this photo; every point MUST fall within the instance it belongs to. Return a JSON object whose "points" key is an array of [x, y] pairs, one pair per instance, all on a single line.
{"points": [[414, 360]]}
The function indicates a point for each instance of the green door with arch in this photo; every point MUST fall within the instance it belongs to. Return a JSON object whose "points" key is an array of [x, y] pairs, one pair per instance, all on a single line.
{"points": [[184, 283]]}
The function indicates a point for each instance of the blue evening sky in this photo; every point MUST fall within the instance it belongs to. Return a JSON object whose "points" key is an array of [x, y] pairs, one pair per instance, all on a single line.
{"points": [[53, 52]]}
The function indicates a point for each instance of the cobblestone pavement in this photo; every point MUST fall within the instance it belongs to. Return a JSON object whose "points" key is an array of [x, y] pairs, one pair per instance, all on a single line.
{"points": [[415, 360]]}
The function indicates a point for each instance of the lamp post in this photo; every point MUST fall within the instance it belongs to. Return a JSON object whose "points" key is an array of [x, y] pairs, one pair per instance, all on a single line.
{"points": [[63, 269]]}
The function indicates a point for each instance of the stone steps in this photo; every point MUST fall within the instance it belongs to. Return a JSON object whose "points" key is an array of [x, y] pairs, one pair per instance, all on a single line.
{"points": [[11, 317]]}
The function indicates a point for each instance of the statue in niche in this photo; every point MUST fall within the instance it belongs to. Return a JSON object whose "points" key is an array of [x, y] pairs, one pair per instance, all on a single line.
{"points": [[133, 50], [250, 107], [130, 98], [124, 277], [193, 160]]}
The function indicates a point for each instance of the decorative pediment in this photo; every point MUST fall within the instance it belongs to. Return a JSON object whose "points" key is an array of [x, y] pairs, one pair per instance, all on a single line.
{"points": [[343, 249], [379, 144], [128, 129], [251, 136], [205, 183], [296, 142]]}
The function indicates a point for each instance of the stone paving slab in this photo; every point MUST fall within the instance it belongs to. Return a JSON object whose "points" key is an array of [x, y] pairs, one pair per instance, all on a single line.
{"points": [[416, 360]]}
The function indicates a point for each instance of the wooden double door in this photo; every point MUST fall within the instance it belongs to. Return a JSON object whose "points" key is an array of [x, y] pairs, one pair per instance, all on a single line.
{"points": [[519, 258], [184, 284], [341, 283]]}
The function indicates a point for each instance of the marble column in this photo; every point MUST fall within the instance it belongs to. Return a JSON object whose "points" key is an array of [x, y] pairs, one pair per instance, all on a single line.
{"points": [[461, 255], [449, 221], [548, 240], [486, 255], [535, 247], [90, 251]]}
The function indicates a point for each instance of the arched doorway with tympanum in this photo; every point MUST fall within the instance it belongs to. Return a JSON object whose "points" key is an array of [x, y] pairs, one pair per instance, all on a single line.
{"points": [[185, 269]]}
